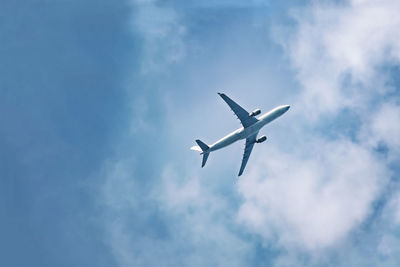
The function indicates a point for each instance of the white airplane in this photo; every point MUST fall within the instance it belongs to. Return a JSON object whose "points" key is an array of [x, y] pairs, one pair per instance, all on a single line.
{"points": [[249, 131]]}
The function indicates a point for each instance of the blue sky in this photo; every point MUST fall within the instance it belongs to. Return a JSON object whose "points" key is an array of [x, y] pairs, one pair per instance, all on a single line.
{"points": [[100, 102]]}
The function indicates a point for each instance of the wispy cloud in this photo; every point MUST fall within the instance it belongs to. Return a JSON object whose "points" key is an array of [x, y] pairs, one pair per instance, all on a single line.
{"points": [[162, 32], [177, 222], [383, 126]]}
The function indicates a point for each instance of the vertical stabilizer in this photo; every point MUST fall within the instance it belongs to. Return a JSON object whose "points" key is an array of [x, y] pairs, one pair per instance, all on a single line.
{"points": [[204, 150], [205, 157]]}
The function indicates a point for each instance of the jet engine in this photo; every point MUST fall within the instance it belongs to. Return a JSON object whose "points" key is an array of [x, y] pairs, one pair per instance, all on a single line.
{"points": [[261, 139], [255, 113]]}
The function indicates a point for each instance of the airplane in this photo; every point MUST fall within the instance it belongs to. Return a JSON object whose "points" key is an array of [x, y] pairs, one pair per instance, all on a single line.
{"points": [[249, 131]]}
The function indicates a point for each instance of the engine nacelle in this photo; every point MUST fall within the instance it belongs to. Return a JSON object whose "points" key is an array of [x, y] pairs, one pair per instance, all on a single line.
{"points": [[255, 113], [261, 139]]}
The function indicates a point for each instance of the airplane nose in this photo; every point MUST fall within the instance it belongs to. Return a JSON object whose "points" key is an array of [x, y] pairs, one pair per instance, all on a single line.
{"points": [[287, 108]]}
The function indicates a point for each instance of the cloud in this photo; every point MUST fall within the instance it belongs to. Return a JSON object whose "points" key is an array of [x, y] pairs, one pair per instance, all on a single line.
{"points": [[395, 205], [311, 198], [337, 50], [384, 126], [204, 220], [162, 34], [117, 197], [176, 223], [307, 193]]}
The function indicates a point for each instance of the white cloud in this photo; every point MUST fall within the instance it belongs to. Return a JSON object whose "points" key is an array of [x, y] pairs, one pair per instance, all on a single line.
{"points": [[393, 209], [162, 33], [117, 196], [315, 194], [117, 190], [385, 125], [204, 220], [311, 199], [308, 197], [197, 223], [337, 49]]}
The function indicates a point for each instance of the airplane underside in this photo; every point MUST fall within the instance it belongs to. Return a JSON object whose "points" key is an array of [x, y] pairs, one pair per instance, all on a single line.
{"points": [[249, 131]]}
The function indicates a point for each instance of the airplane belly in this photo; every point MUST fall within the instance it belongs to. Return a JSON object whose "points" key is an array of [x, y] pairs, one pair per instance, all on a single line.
{"points": [[226, 141], [267, 118], [250, 130]]}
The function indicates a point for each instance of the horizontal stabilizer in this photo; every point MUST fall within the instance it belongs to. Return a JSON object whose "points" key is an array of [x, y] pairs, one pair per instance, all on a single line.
{"points": [[202, 145], [196, 148]]}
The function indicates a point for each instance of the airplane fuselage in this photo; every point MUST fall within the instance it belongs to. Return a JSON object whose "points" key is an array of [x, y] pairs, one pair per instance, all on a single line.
{"points": [[243, 133]]}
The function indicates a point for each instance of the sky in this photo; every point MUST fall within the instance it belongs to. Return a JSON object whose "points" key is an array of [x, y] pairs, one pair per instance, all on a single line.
{"points": [[100, 102]]}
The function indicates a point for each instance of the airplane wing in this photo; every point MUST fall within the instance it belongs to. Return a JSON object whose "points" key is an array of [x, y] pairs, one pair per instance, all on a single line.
{"points": [[250, 141], [240, 112]]}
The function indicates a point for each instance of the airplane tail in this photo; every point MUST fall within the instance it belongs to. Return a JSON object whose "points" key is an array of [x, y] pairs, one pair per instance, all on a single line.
{"points": [[205, 157], [203, 148]]}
